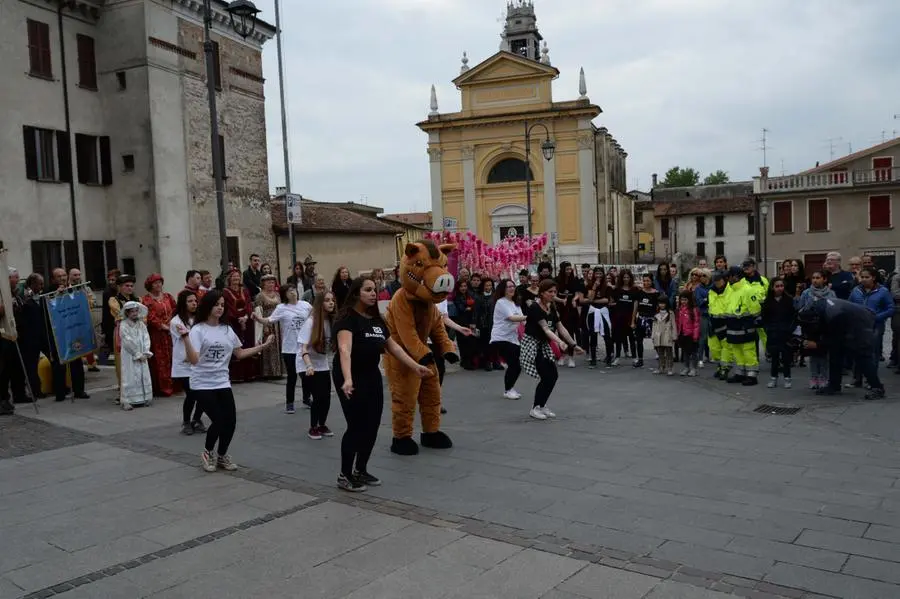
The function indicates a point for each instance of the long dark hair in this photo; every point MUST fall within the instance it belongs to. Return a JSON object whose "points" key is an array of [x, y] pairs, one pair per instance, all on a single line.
{"points": [[664, 277], [353, 299], [622, 274], [770, 293], [320, 316], [500, 290], [337, 280], [691, 303], [562, 277], [181, 306], [207, 304]]}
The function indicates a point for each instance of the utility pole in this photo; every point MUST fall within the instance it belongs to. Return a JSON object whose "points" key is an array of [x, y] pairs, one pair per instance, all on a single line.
{"points": [[764, 146]]}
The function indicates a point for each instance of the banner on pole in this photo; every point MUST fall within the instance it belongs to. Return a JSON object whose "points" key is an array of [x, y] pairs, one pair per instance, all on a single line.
{"points": [[8, 321], [73, 329]]}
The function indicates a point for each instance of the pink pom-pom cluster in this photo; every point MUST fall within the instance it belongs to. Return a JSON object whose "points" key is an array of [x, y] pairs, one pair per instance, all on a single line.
{"points": [[502, 260]]}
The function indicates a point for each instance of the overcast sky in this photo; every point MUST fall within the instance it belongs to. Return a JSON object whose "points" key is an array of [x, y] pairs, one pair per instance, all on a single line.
{"points": [[680, 82]]}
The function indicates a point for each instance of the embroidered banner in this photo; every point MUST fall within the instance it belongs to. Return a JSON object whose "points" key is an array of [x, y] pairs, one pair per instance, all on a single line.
{"points": [[73, 329]]}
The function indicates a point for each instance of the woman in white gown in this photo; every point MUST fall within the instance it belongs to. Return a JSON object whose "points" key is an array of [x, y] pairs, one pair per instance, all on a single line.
{"points": [[137, 387]]}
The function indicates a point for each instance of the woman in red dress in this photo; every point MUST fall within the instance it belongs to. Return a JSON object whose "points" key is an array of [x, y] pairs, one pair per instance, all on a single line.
{"points": [[160, 310], [238, 315]]}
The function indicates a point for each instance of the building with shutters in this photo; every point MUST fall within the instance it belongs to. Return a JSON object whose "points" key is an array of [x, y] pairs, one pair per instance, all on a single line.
{"points": [[846, 205], [105, 159]]}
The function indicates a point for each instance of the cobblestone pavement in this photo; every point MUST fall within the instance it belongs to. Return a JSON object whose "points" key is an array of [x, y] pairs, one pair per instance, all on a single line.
{"points": [[643, 487]]}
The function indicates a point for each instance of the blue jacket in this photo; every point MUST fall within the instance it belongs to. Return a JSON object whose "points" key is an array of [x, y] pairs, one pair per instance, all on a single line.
{"points": [[878, 300], [842, 283], [701, 298]]}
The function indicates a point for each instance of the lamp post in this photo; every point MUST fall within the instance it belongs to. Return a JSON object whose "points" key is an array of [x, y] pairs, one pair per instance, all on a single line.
{"points": [[764, 212], [548, 148], [243, 22]]}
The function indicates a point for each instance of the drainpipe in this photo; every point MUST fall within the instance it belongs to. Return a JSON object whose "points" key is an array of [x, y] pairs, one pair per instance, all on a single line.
{"points": [[596, 193], [65, 91]]}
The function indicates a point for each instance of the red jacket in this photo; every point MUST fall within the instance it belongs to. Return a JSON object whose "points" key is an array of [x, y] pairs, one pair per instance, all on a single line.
{"points": [[688, 326]]}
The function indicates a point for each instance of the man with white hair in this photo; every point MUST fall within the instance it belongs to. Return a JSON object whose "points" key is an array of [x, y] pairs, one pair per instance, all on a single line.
{"points": [[841, 281]]}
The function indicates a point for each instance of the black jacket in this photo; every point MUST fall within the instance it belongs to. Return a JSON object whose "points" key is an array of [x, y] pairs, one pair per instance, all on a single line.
{"points": [[846, 325], [778, 321]]}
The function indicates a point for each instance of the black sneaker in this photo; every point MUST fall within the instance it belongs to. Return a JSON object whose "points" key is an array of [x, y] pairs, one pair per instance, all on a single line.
{"points": [[592, 364], [828, 391], [367, 479], [350, 484], [875, 394], [198, 427], [187, 429], [443, 410]]}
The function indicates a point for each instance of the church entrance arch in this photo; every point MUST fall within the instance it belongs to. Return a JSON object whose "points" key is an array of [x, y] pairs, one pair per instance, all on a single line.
{"points": [[508, 220]]}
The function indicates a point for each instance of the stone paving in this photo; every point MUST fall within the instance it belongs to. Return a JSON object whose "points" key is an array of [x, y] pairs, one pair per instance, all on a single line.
{"points": [[643, 487]]}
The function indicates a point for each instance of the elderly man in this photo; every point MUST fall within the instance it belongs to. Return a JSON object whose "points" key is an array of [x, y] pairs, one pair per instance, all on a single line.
{"points": [[75, 367], [841, 281], [12, 376]]}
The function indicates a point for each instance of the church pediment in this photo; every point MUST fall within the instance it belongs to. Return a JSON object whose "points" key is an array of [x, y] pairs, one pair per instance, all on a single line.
{"points": [[503, 67]]}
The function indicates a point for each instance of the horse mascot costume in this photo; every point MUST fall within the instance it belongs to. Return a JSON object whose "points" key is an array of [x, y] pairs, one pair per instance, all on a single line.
{"points": [[412, 318]]}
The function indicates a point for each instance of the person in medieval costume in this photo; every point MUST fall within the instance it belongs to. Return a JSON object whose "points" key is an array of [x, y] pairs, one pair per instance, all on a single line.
{"points": [[137, 385]]}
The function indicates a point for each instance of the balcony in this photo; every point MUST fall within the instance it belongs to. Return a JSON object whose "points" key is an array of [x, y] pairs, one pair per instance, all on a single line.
{"points": [[826, 181]]}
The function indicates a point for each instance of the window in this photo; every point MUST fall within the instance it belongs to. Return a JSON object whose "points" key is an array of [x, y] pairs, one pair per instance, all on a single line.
{"points": [[817, 215], [100, 257], [701, 249], [128, 266], [93, 158], [783, 217], [751, 224], [883, 168], [639, 217], [751, 248], [880, 212], [47, 255], [814, 262], [128, 163], [509, 170], [701, 227], [39, 49], [217, 66], [87, 63], [720, 248], [122, 80], [664, 228], [47, 155], [720, 225], [234, 250]]}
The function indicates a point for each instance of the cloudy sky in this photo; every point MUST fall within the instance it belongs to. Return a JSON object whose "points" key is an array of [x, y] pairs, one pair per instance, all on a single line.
{"points": [[680, 82]]}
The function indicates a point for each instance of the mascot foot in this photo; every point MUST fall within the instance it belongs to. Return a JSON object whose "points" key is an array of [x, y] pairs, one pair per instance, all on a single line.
{"points": [[405, 446], [436, 440]]}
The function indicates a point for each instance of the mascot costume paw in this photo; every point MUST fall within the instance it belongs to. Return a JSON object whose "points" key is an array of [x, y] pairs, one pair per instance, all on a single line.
{"points": [[412, 317]]}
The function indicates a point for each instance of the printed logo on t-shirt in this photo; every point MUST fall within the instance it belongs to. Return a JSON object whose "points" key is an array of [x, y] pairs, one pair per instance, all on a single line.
{"points": [[377, 332], [297, 323], [215, 352]]}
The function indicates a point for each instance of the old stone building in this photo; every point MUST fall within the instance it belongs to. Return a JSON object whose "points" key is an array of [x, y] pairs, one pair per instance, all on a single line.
{"points": [[105, 158]]}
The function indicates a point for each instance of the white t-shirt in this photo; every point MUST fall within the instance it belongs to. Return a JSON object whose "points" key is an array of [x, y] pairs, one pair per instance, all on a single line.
{"points": [[291, 318], [504, 329], [442, 307], [215, 346], [181, 368], [320, 362]]}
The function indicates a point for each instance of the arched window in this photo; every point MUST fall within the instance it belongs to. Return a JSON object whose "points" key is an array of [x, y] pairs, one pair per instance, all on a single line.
{"points": [[509, 170]]}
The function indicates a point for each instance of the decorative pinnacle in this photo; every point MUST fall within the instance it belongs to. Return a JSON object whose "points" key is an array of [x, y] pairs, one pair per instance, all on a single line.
{"points": [[465, 64], [545, 54], [434, 102], [582, 86]]}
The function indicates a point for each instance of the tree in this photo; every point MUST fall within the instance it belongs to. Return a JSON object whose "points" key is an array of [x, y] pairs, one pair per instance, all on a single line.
{"points": [[680, 177], [717, 178]]}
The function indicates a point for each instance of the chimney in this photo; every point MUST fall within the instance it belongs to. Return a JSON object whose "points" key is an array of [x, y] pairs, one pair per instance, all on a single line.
{"points": [[280, 191], [764, 172], [655, 179]]}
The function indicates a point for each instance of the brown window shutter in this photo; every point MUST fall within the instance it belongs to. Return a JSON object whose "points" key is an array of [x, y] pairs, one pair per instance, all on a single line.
{"points": [[64, 154], [39, 48], [105, 161], [28, 140], [82, 146], [87, 65], [38, 257]]}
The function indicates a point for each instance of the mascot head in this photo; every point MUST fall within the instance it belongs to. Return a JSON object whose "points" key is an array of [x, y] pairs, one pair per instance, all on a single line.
{"points": [[423, 271]]}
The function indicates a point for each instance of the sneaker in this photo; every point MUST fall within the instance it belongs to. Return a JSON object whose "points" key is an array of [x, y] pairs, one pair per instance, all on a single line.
{"points": [[208, 460], [570, 362], [592, 364], [813, 384], [788, 383], [443, 410], [224, 462], [700, 364], [289, 409], [656, 371], [127, 407], [511, 394], [547, 412], [198, 427], [187, 429], [875, 394], [307, 404], [749, 381], [350, 484], [692, 372], [325, 431], [684, 372], [561, 362], [314, 434], [614, 362], [828, 391], [537, 413], [773, 382], [367, 479], [670, 373]]}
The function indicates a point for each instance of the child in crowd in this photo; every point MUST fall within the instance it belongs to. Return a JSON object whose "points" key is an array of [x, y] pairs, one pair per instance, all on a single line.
{"points": [[818, 290], [663, 336], [816, 351], [778, 321], [688, 327]]}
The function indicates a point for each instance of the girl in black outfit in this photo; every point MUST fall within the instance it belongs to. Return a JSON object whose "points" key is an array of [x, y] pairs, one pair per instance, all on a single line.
{"points": [[362, 337], [542, 325], [340, 285], [623, 315], [778, 321], [647, 300], [599, 296], [464, 301], [529, 294], [484, 321], [569, 295]]}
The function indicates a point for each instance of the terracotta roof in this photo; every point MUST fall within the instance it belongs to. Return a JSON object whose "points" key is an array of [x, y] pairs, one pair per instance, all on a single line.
{"points": [[410, 218], [736, 189], [717, 206], [325, 218], [643, 205], [851, 157]]}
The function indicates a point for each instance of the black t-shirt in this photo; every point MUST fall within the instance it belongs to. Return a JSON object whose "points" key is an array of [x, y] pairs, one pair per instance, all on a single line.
{"points": [[370, 336], [526, 297], [647, 303], [625, 299], [534, 315]]}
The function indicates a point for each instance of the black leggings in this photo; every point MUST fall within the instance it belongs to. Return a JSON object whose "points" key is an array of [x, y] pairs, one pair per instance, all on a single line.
{"points": [[290, 365], [321, 398], [190, 402], [510, 354], [781, 360], [549, 374], [219, 406], [625, 342], [363, 414], [640, 333]]}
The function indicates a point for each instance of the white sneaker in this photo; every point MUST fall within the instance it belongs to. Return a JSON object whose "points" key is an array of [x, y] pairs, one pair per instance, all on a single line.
{"points": [[547, 412], [511, 394], [561, 362], [692, 372], [656, 371], [700, 364], [537, 414], [615, 362], [570, 362], [773, 382], [670, 373], [684, 372], [788, 383]]}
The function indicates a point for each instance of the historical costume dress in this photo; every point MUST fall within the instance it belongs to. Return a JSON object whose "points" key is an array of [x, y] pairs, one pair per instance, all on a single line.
{"points": [[115, 305], [159, 314], [136, 387], [271, 362], [238, 305]]}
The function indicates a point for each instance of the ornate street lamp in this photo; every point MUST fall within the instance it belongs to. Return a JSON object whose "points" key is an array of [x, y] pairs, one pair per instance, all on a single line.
{"points": [[243, 17], [548, 149]]}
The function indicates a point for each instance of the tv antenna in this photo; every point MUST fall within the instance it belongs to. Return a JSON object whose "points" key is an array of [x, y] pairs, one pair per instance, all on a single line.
{"points": [[831, 144], [764, 146]]}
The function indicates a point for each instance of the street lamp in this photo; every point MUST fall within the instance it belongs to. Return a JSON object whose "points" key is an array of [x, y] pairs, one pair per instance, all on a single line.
{"points": [[243, 22], [764, 212], [548, 148]]}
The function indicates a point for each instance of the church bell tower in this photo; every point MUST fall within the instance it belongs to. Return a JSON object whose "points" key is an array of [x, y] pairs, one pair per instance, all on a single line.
{"points": [[520, 34]]}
